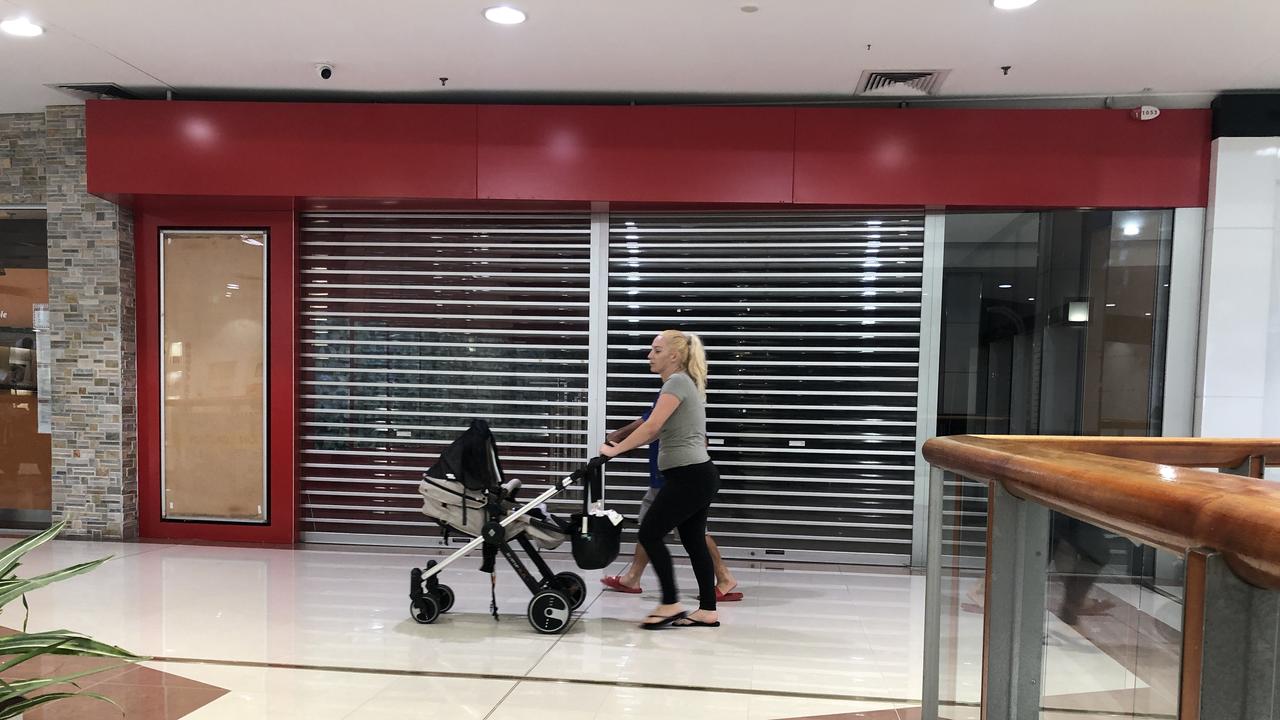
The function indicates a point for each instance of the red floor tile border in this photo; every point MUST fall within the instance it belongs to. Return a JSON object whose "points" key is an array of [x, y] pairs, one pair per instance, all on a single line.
{"points": [[142, 693]]}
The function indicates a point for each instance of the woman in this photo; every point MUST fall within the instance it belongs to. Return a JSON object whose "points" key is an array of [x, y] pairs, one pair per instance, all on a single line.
{"points": [[679, 421]]}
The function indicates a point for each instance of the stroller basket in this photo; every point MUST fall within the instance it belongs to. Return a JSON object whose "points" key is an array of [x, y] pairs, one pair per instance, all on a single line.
{"points": [[451, 504], [465, 491]]}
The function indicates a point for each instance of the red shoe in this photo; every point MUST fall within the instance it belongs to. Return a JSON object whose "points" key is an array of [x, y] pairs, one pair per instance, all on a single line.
{"points": [[614, 582], [731, 596]]}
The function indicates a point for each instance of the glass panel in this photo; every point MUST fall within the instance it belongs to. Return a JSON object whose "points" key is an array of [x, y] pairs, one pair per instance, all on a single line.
{"points": [[1124, 355], [1113, 638], [1103, 289], [1053, 323], [25, 451], [964, 549], [214, 355], [990, 317]]}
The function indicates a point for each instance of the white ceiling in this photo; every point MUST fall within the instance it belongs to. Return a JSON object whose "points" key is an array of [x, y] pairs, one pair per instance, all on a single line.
{"points": [[1184, 50]]}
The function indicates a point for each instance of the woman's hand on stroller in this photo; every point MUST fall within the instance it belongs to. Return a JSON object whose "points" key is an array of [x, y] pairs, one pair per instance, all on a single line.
{"points": [[592, 465], [608, 449]]}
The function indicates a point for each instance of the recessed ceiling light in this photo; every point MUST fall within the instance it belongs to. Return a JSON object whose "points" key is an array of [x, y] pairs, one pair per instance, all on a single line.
{"points": [[504, 15], [1132, 228], [1004, 286], [1012, 4], [22, 27]]}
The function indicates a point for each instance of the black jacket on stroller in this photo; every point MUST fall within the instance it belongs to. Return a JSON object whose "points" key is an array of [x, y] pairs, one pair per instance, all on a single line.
{"points": [[458, 488]]}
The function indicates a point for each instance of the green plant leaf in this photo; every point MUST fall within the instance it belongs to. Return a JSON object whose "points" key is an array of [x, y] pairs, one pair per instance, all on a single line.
{"points": [[23, 647], [58, 642], [33, 650], [16, 709], [12, 591], [9, 556], [14, 688]]}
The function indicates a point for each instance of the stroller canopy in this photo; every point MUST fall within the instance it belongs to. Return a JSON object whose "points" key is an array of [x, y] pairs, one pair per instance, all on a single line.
{"points": [[472, 459]]}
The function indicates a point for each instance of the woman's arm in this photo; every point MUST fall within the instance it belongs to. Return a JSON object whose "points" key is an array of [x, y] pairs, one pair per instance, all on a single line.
{"points": [[648, 430]]}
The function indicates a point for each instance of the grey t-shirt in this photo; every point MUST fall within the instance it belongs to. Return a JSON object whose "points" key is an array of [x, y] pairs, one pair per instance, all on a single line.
{"points": [[683, 438]]}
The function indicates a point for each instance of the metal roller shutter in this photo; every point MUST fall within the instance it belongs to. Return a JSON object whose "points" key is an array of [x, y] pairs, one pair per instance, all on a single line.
{"points": [[414, 323], [812, 324]]}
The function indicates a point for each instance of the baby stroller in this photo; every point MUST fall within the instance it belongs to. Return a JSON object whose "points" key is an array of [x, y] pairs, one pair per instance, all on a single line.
{"points": [[465, 491]]}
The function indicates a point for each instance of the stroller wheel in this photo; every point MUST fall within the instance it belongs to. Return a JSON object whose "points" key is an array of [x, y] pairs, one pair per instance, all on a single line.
{"points": [[424, 610], [444, 597], [574, 586], [549, 611]]}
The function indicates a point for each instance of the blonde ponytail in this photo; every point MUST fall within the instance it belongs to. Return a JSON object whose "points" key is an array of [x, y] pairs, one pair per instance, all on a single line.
{"points": [[698, 363], [693, 356]]}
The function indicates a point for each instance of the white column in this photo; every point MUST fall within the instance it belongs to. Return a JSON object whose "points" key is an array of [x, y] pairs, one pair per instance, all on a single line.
{"points": [[598, 332], [1238, 383]]}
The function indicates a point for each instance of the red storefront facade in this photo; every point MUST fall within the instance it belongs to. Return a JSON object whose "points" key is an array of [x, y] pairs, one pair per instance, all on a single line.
{"points": [[257, 165]]}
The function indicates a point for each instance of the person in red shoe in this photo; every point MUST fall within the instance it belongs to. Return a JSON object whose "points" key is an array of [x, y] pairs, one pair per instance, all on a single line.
{"points": [[679, 420], [629, 580]]}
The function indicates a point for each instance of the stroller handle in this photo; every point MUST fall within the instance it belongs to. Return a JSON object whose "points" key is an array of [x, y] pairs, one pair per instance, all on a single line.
{"points": [[592, 465]]}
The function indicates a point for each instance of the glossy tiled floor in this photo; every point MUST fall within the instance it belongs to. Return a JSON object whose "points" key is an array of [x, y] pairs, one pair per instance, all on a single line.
{"points": [[325, 633]]}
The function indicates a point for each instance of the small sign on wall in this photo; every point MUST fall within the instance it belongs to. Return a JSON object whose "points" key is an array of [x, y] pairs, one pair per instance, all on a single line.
{"points": [[44, 367]]}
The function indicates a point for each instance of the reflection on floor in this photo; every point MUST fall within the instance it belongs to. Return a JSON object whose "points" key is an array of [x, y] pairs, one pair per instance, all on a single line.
{"points": [[244, 633]]}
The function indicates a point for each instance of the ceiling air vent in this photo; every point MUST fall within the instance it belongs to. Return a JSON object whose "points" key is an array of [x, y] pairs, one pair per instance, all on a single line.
{"points": [[901, 83], [95, 91]]}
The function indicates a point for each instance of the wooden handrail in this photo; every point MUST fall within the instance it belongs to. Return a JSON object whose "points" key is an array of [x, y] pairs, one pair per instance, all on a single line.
{"points": [[1145, 488]]}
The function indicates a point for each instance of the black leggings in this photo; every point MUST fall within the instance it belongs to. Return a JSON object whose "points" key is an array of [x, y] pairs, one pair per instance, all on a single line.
{"points": [[683, 503]]}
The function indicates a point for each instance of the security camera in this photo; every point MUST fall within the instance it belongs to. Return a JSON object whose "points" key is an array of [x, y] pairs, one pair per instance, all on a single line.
{"points": [[324, 70]]}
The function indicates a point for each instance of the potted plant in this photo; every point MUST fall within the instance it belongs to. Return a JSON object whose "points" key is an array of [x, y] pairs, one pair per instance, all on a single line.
{"points": [[18, 695]]}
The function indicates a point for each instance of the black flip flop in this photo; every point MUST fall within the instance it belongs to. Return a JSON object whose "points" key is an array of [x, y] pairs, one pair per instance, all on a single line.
{"points": [[664, 621], [691, 622]]}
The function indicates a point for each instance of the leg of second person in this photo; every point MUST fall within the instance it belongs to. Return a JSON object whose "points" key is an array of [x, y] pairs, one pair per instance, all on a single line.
{"points": [[631, 576], [725, 581], [661, 519], [629, 580]]}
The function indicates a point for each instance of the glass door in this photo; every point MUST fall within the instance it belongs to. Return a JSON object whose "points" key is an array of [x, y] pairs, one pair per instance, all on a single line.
{"points": [[25, 450], [1053, 323]]}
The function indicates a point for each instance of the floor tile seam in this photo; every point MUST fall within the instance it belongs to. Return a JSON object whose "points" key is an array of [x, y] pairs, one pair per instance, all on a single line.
{"points": [[1109, 714], [538, 679], [1127, 693], [575, 618], [369, 699], [151, 548], [115, 557], [510, 691]]}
